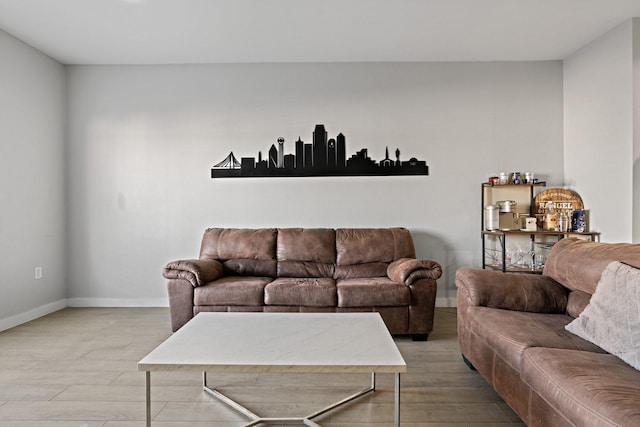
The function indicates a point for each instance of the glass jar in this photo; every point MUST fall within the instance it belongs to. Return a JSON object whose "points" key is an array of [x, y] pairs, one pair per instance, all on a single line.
{"points": [[491, 219]]}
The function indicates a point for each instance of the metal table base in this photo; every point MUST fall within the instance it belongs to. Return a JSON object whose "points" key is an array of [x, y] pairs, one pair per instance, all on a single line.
{"points": [[306, 420]]}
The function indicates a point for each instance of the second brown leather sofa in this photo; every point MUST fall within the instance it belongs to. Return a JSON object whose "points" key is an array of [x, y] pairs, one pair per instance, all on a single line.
{"points": [[511, 328]]}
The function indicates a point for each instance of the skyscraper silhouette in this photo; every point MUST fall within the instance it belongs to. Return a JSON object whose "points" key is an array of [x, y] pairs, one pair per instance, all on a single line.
{"points": [[299, 153], [281, 152], [331, 153], [319, 147], [341, 151], [273, 156]]}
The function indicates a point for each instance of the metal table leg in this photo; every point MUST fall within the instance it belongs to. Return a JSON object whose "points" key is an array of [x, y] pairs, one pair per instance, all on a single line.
{"points": [[148, 386], [396, 419]]}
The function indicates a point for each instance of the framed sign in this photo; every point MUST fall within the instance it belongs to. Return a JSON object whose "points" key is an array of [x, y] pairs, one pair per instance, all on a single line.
{"points": [[562, 199]]}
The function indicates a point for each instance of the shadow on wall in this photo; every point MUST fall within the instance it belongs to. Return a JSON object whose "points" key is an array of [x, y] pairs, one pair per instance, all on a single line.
{"points": [[432, 247]]}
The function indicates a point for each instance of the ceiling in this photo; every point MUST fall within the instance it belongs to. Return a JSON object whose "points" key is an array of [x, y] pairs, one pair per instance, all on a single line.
{"points": [[215, 31]]}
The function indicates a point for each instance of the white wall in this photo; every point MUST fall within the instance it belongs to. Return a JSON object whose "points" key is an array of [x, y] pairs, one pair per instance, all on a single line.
{"points": [[599, 131], [32, 194], [142, 140]]}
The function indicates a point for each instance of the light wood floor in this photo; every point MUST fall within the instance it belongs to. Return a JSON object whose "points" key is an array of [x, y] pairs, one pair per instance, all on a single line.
{"points": [[78, 368]]}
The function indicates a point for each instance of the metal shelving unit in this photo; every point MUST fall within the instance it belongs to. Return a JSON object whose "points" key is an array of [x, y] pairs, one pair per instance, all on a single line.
{"points": [[495, 251]]}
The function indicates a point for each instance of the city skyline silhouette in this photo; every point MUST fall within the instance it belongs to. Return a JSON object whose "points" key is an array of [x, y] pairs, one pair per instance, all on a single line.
{"points": [[324, 156]]}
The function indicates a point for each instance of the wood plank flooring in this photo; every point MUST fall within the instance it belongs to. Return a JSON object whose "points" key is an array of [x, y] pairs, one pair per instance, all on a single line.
{"points": [[78, 368]]}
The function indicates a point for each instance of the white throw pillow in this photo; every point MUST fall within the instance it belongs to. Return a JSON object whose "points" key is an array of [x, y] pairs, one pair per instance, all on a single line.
{"points": [[611, 320]]}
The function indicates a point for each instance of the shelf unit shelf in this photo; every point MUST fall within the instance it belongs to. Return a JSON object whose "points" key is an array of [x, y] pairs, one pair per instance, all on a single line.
{"points": [[541, 233]]}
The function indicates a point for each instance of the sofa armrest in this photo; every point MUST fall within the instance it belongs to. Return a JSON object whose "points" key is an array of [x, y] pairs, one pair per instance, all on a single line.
{"points": [[195, 271], [408, 270], [511, 291]]}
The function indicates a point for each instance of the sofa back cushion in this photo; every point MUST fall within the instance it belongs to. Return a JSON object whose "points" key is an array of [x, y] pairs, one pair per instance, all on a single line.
{"points": [[306, 252], [367, 252], [578, 264], [243, 251]]}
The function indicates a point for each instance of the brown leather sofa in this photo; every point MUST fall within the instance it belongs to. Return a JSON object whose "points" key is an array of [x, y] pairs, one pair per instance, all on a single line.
{"points": [[511, 329], [307, 270]]}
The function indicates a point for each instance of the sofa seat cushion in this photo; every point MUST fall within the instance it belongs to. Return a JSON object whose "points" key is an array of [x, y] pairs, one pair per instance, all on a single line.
{"points": [[372, 292], [587, 388], [232, 290], [308, 292], [510, 333]]}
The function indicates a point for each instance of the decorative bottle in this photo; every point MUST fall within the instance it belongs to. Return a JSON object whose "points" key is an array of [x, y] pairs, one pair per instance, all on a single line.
{"points": [[550, 217], [563, 221]]}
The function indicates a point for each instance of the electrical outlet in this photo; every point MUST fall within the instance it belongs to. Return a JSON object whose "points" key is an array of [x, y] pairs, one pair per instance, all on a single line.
{"points": [[38, 273]]}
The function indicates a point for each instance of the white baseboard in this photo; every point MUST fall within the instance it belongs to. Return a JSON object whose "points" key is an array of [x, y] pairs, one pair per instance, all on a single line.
{"points": [[33, 314], [164, 302], [446, 302], [118, 302]]}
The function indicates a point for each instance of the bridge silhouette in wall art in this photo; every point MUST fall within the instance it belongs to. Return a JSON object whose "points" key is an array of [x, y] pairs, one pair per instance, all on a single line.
{"points": [[323, 157]]}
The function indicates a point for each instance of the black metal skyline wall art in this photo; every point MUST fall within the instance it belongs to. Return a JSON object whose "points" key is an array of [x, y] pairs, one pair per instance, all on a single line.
{"points": [[323, 157]]}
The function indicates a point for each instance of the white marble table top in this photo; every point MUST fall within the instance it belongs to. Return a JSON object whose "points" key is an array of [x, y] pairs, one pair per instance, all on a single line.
{"points": [[279, 342]]}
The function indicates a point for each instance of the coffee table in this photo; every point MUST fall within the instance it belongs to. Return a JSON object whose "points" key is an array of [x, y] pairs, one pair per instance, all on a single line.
{"points": [[283, 343]]}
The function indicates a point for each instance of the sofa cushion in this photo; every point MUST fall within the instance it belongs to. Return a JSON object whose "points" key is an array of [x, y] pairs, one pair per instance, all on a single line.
{"points": [[243, 243], [371, 269], [232, 290], [307, 244], [306, 252], [372, 292], [250, 267], [304, 269], [612, 318], [250, 252], [589, 389], [309, 292], [576, 302], [578, 264], [370, 245], [510, 333]]}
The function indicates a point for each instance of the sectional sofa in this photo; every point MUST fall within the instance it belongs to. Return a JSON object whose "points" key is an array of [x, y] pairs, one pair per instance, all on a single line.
{"points": [[561, 348]]}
